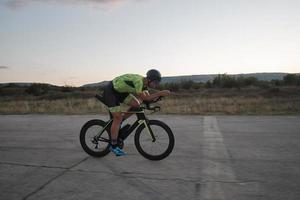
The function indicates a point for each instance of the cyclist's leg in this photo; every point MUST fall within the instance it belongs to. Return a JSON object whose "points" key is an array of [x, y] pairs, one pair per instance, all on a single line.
{"points": [[117, 119], [112, 100], [132, 102]]}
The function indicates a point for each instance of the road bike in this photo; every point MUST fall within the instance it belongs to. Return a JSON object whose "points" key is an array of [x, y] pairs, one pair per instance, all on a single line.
{"points": [[153, 139]]}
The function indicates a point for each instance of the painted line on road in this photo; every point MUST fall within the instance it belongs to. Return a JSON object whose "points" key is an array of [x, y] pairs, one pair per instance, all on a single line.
{"points": [[214, 170]]}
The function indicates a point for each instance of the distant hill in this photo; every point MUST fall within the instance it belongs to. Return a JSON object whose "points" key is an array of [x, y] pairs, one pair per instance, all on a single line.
{"points": [[25, 85], [209, 77], [170, 79], [206, 77], [100, 84], [16, 84]]}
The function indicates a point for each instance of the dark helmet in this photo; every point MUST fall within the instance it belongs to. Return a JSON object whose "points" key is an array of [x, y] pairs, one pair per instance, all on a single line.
{"points": [[154, 75]]}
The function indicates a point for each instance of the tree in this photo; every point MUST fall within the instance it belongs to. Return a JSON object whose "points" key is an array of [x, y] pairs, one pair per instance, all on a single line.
{"points": [[224, 81], [292, 79], [173, 87], [186, 84], [38, 89], [208, 84]]}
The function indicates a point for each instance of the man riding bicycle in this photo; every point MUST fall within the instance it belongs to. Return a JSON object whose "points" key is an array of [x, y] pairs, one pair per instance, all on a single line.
{"points": [[130, 89]]}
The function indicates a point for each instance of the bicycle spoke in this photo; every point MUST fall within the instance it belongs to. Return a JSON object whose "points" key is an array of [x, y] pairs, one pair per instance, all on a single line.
{"points": [[96, 144], [157, 147]]}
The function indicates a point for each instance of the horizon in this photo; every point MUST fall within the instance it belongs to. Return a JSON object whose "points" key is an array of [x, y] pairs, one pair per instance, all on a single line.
{"points": [[74, 42], [32, 82]]}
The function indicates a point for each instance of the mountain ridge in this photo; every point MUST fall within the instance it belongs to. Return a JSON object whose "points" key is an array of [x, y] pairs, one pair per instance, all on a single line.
{"points": [[263, 76]]}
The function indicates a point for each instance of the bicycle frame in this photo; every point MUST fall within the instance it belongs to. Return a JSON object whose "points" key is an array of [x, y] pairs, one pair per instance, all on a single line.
{"points": [[141, 119]]}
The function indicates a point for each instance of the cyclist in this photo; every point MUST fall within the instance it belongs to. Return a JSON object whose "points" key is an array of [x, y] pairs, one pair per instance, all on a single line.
{"points": [[130, 89]]}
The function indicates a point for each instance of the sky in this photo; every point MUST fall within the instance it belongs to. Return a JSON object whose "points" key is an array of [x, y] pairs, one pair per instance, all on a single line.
{"points": [[76, 42]]}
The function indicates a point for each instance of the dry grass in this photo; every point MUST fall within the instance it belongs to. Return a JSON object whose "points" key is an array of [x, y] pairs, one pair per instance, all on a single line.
{"points": [[172, 105], [232, 105], [62, 106]]}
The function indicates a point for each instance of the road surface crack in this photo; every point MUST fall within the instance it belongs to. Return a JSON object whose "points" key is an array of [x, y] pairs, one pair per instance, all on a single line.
{"points": [[54, 178], [32, 165], [159, 177]]}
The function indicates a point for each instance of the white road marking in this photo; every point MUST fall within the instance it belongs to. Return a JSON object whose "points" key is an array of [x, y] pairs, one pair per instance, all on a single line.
{"points": [[216, 169]]}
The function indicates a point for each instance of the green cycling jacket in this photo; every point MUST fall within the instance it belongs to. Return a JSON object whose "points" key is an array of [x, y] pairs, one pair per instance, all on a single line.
{"points": [[129, 83]]}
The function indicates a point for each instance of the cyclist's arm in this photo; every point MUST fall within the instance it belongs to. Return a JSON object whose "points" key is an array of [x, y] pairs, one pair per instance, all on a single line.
{"points": [[145, 96]]}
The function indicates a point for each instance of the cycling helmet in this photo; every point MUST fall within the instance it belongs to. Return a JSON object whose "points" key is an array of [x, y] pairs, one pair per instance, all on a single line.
{"points": [[154, 75]]}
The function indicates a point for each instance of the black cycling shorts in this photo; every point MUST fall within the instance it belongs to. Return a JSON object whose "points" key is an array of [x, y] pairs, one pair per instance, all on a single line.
{"points": [[112, 98]]}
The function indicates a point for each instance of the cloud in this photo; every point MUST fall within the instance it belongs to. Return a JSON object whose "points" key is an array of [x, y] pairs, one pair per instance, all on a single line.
{"points": [[14, 4], [4, 67]]}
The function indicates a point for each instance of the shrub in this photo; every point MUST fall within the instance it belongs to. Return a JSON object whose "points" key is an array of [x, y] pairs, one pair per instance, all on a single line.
{"points": [[224, 81], [186, 84], [38, 89], [246, 81], [292, 79]]}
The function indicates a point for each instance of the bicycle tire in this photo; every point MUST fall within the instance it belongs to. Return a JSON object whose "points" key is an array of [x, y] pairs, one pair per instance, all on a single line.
{"points": [[142, 150], [84, 130]]}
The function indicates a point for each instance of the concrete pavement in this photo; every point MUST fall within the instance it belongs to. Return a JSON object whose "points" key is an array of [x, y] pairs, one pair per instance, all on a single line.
{"points": [[215, 157]]}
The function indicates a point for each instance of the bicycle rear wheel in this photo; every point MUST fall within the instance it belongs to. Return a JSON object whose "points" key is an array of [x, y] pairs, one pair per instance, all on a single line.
{"points": [[92, 145], [161, 147]]}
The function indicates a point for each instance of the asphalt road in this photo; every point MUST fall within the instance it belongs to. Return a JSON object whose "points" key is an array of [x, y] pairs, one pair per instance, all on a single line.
{"points": [[215, 158]]}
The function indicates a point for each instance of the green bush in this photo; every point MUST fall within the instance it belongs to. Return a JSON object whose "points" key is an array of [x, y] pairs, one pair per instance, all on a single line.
{"points": [[38, 89], [224, 81], [186, 84], [292, 79], [246, 81], [208, 84]]}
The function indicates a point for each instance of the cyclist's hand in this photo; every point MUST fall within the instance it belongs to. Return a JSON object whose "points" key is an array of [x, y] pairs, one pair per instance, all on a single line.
{"points": [[144, 95], [164, 93]]}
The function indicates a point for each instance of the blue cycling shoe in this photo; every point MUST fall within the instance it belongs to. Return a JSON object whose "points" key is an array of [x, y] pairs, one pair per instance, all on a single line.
{"points": [[117, 151]]}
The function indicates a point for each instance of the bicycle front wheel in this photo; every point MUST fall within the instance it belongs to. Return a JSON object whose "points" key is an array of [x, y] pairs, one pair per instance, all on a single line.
{"points": [[163, 144]]}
